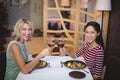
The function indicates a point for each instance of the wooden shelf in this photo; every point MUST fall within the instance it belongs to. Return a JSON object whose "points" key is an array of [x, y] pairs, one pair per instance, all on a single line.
{"points": [[76, 32]]}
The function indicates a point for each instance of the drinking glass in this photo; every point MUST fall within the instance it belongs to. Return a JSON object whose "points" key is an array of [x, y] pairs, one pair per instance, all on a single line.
{"points": [[60, 44], [51, 42]]}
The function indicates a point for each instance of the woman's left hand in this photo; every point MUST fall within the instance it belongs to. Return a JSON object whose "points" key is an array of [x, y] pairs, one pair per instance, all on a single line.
{"points": [[96, 77]]}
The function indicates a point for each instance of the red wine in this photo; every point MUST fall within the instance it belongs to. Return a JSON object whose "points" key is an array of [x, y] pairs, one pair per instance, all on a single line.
{"points": [[51, 44], [60, 45]]}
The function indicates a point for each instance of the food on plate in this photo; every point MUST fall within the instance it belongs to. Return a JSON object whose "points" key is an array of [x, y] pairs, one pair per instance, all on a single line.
{"points": [[41, 64], [75, 64]]}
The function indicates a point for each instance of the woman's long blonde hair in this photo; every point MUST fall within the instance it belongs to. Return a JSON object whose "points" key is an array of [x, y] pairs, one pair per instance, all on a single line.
{"points": [[19, 24]]}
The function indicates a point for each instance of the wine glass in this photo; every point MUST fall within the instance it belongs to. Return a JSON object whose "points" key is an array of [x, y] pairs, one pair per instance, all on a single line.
{"points": [[60, 44], [51, 42]]}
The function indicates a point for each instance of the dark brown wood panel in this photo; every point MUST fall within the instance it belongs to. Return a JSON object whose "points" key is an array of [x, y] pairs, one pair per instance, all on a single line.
{"points": [[113, 43]]}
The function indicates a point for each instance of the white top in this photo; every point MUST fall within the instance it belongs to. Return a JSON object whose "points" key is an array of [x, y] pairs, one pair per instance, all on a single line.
{"points": [[55, 71]]}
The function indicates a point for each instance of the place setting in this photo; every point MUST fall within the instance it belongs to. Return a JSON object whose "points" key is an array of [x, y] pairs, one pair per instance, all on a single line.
{"points": [[55, 67], [75, 64], [77, 67], [77, 74]]}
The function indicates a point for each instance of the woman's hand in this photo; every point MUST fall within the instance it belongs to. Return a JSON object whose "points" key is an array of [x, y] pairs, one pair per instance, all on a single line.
{"points": [[96, 77], [63, 51], [45, 52]]}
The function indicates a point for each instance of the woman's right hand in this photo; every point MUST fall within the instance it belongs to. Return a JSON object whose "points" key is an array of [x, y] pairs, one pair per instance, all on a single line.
{"points": [[45, 52]]}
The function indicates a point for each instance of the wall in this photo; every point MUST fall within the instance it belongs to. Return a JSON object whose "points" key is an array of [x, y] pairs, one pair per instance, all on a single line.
{"points": [[14, 13], [36, 13], [113, 43], [32, 10]]}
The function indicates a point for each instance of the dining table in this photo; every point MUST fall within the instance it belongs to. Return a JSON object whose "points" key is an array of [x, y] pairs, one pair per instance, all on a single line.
{"points": [[55, 70]]}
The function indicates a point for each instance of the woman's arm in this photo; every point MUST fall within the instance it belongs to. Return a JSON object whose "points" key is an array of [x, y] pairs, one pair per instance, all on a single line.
{"points": [[25, 68], [99, 64]]}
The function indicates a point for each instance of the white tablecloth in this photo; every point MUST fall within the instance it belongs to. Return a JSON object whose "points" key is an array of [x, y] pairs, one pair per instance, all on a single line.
{"points": [[55, 71]]}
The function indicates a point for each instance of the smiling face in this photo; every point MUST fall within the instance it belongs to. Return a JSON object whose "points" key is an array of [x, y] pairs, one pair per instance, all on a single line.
{"points": [[25, 32], [91, 34]]}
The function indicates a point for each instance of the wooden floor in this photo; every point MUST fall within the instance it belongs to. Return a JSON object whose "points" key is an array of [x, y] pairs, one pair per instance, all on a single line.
{"points": [[36, 45]]}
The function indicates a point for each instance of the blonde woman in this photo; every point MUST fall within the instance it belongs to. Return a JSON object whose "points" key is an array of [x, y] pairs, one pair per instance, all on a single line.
{"points": [[16, 53]]}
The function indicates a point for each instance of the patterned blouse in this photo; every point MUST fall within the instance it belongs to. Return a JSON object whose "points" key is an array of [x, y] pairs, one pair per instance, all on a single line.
{"points": [[93, 57]]}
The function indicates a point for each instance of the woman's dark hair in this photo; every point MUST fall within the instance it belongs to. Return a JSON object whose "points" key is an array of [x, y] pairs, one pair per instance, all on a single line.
{"points": [[96, 26]]}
